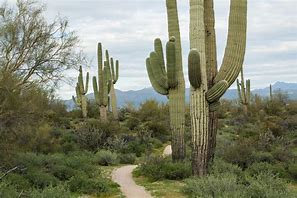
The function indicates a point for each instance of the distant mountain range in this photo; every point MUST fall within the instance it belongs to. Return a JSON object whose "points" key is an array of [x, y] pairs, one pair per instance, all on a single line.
{"points": [[140, 96]]}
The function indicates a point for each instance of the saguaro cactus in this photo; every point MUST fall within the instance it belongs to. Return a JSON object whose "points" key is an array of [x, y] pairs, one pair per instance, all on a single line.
{"points": [[81, 91], [169, 80], [244, 92], [114, 79], [270, 92], [208, 85], [101, 95]]}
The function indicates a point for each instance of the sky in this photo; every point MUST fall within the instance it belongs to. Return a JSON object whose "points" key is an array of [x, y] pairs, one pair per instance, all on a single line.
{"points": [[127, 28]]}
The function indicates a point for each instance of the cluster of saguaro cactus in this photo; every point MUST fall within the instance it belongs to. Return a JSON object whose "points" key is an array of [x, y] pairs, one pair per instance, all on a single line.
{"points": [[169, 80], [81, 91], [244, 92], [107, 78], [208, 84]]}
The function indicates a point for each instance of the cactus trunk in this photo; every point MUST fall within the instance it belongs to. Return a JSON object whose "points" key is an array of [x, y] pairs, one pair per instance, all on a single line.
{"points": [[205, 96], [199, 106], [113, 100], [176, 95]]}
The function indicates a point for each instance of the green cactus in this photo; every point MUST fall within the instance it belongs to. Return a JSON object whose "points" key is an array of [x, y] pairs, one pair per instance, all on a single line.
{"points": [[101, 94], [81, 91], [244, 92], [270, 92], [169, 80], [208, 85], [114, 79]]}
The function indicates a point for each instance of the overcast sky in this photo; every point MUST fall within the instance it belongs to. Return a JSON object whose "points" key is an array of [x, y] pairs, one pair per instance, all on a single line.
{"points": [[128, 27]]}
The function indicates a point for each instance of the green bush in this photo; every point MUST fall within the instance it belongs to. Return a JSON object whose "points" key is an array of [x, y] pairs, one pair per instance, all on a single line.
{"points": [[260, 156], [52, 192], [8, 191], [106, 158], [159, 168], [63, 172], [19, 182], [128, 158], [267, 185], [292, 169], [223, 186], [41, 179], [135, 147], [84, 185]]}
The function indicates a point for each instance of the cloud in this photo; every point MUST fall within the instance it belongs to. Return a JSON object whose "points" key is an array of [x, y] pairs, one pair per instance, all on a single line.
{"points": [[128, 28]]}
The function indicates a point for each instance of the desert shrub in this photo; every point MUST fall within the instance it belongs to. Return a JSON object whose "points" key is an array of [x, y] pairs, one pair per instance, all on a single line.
{"points": [[92, 134], [135, 147], [106, 158], [224, 185], [261, 156], [156, 143], [8, 191], [85, 185], [239, 153], [52, 192], [267, 185], [282, 154], [220, 167], [19, 182], [292, 169], [62, 172], [260, 167], [41, 179], [159, 168], [128, 158]]}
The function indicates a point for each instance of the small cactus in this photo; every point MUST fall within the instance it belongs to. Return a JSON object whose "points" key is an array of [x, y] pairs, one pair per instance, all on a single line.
{"points": [[244, 92], [81, 91]]}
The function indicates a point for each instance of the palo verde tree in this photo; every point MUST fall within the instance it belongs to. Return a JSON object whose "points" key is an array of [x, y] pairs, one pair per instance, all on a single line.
{"points": [[81, 91], [244, 92], [169, 80], [32, 48], [207, 84]]}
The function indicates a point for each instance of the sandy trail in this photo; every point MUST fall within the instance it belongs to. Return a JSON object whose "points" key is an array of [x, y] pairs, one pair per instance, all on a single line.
{"points": [[123, 177]]}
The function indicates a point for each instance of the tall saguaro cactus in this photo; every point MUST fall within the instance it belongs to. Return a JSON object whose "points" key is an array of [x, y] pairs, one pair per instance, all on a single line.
{"points": [[207, 84], [81, 91], [101, 94], [114, 79], [169, 80], [244, 92]]}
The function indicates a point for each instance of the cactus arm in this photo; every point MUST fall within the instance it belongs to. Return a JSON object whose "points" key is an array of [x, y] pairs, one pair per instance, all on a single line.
{"points": [[87, 83], [100, 75], [117, 71], [153, 81], [239, 91], [159, 50], [236, 42], [217, 91], [160, 78], [112, 69], [248, 91], [243, 89], [96, 91], [171, 64], [194, 70]]}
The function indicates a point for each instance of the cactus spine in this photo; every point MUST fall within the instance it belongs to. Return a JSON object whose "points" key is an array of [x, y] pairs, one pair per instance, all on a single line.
{"points": [[205, 95], [114, 79], [169, 80], [81, 91], [244, 92], [101, 95]]}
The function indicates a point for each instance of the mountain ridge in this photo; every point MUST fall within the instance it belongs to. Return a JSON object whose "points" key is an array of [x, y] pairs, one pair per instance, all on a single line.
{"points": [[139, 96]]}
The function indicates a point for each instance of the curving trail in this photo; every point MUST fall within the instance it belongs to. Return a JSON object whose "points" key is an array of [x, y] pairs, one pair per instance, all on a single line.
{"points": [[123, 176]]}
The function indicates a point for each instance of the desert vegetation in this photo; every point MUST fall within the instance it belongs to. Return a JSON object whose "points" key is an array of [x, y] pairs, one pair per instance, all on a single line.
{"points": [[220, 148]]}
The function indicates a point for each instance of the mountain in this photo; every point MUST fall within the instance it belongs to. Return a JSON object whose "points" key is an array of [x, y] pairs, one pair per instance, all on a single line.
{"points": [[140, 96]]}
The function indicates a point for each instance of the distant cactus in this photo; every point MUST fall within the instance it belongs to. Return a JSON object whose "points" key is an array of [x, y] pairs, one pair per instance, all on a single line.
{"points": [[101, 94], [167, 79], [208, 85], [270, 92], [114, 79], [81, 91], [244, 92]]}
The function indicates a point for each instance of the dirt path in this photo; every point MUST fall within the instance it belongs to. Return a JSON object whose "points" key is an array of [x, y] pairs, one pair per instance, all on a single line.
{"points": [[123, 176]]}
